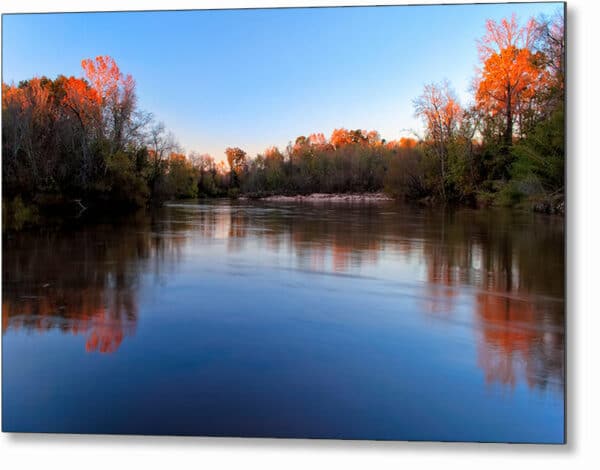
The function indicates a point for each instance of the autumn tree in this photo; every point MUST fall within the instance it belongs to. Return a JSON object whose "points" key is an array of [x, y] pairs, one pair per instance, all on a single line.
{"points": [[441, 114], [118, 99], [274, 154], [511, 74], [540, 155], [17, 138], [407, 142], [341, 137], [237, 160], [36, 133], [403, 142], [317, 139], [83, 103]]}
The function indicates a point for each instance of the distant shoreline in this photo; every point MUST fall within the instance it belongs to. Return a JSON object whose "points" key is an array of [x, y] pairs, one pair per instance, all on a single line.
{"points": [[326, 197]]}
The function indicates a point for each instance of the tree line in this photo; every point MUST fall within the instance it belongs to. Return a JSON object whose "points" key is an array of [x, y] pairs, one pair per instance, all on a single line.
{"points": [[85, 141], [506, 147]]}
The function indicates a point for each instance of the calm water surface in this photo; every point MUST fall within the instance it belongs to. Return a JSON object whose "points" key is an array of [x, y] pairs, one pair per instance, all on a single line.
{"points": [[331, 321]]}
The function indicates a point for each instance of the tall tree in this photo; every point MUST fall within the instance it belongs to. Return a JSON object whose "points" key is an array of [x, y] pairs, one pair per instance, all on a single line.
{"points": [[83, 103], [511, 75], [160, 145], [552, 44], [439, 109], [237, 160], [117, 92]]}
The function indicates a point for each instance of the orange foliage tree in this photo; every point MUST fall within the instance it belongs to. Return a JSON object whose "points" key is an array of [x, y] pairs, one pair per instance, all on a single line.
{"points": [[237, 160], [511, 75], [341, 137], [25, 110], [117, 95], [83, 101]]}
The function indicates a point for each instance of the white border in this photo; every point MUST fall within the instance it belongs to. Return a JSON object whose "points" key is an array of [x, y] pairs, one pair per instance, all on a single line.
{"points": [[105, 452]]}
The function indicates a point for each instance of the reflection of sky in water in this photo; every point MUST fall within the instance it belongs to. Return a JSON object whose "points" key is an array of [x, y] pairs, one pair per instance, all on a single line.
{"points": [[372, 322]]}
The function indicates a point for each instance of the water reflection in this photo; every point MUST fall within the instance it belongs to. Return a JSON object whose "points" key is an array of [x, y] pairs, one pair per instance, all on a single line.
{"points": [[508, 268], [84, 281]]}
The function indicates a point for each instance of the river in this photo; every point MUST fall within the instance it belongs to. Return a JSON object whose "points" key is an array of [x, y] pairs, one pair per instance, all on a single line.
{"points": [[357, 321]]}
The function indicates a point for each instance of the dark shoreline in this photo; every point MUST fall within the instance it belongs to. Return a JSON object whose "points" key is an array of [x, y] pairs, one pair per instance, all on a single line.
{"points": [[78, 213]]}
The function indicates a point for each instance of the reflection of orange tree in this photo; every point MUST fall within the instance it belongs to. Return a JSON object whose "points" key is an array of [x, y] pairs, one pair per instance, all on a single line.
{"points": [[508, 331], [93, 295], [521, 331], [520, 337], [103, 315]]}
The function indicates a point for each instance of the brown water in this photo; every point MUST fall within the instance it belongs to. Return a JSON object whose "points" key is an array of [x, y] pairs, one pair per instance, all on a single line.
{"points": [[293, 320]]}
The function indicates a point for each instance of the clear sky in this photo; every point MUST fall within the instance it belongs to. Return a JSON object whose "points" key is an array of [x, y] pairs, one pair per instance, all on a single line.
{"points": [[255, 78]]}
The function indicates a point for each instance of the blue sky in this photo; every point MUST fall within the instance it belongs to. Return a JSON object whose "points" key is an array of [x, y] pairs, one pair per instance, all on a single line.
{"points": [[255, 78]]}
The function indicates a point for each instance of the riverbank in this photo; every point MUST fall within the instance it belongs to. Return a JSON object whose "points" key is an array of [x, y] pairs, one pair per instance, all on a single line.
{"points": [[43, 211], [325, 197], [551, 205]]}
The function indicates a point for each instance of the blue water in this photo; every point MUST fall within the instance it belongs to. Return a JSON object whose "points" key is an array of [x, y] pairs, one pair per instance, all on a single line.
{"points": [[289, 320]]}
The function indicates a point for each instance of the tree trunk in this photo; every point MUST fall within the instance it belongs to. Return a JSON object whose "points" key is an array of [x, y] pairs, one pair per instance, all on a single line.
{"points": [[509, 118]]}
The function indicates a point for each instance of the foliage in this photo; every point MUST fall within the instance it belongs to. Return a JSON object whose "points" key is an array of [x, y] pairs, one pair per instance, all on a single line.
{"points": [[85, 139], [236, 158], [541, 155], [16, 214], [511, 77], [182, 178], [405, 176], [73, 139]]}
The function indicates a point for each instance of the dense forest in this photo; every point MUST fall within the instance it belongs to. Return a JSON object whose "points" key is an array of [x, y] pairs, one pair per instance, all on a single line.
{"points": [[84, 142]]}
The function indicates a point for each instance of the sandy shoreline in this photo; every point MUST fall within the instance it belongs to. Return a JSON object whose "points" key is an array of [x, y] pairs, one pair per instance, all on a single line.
{"points": [[324, 197]]}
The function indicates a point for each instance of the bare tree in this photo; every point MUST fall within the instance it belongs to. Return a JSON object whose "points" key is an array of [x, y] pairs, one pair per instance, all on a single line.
{"points": [[441, 114]]}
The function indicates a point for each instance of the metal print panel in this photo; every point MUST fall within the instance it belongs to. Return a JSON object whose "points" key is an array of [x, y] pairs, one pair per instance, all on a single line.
{"points": [[340, 223]]}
